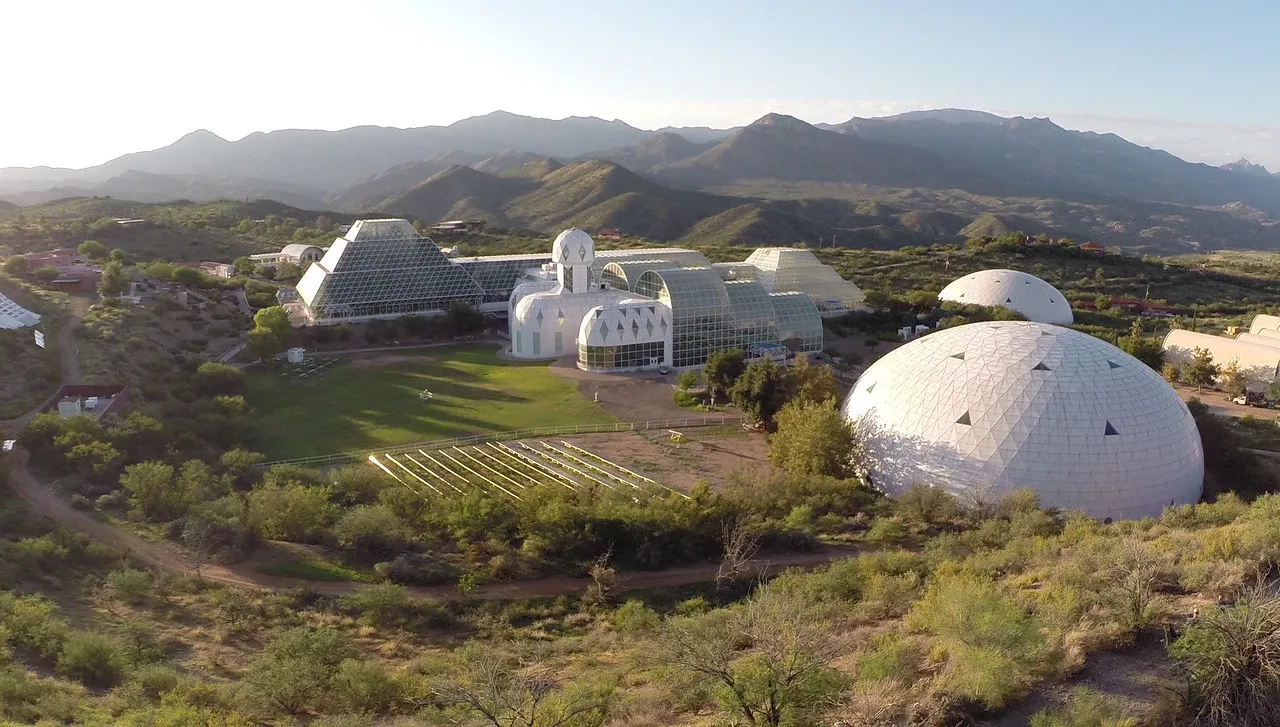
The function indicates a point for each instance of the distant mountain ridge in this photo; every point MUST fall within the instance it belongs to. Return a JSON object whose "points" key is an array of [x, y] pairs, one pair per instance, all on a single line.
{"points": [[945, 170]]}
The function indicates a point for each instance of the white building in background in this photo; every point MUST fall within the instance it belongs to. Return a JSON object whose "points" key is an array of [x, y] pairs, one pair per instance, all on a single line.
{"points": [[988, 408], [545, 316], [1269, 333], [1260, 339], [1026, 294], [296, 253], [1260, 363], [13, 315], [1264, 322], [793, 270]]}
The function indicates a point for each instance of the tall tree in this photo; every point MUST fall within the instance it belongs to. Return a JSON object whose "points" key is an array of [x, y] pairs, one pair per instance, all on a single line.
{"points": [[1200, 371], [114, 279], [812, 383], [813, 438], [722, 371], [93, 250], [16, 266], [761, 391], [272, 333], [1231, 378]]}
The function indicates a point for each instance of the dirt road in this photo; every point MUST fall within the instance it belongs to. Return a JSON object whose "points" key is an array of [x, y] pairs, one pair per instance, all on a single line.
{"points": [[162, 556]]}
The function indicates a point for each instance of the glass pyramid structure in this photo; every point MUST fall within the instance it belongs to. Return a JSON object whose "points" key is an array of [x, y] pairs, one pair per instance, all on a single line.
{"points": [[384, 268]]}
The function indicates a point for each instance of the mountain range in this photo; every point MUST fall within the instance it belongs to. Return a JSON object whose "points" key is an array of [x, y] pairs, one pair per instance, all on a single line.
{"points": [[907, 179]]}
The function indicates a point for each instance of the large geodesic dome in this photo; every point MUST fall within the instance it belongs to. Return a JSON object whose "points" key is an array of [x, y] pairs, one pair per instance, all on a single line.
{"points": [[1020, 292], [988, 408]]}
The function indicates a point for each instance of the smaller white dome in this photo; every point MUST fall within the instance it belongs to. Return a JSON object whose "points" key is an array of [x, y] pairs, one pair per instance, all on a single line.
{"points": [[1017, 291], [573, 247]]}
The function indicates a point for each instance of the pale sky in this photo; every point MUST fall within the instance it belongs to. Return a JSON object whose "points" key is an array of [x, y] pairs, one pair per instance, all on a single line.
{"points": [[88, 81]]}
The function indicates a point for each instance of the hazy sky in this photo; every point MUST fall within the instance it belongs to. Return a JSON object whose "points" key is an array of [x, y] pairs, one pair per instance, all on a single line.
{"points": [[88, 81]]}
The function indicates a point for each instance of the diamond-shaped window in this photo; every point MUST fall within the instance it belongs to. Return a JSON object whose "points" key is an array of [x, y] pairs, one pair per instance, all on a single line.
{"points": [[604, 331], [662, 324], [635, 328], [648, 327], [582, 253], [620, 329], [538, 318], [560, 317]]}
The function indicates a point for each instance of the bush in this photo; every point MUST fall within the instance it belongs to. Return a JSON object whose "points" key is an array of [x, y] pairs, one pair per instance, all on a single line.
{"points": [[1087, 708], [91, 659], [363, 686], [372, 531], [635, 617], [386, 605], [417, 570], [129, 585]]}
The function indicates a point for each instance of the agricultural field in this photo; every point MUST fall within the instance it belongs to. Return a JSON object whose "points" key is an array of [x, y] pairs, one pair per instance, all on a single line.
{"points": [[370, 401]]}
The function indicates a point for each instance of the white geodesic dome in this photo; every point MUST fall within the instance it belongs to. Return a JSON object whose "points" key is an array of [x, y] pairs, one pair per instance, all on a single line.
{"points": [[1020, 292], [988, 408]]}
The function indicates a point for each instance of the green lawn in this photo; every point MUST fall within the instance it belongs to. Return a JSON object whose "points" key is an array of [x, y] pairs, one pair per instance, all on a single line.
{"points": [[351, 407]]}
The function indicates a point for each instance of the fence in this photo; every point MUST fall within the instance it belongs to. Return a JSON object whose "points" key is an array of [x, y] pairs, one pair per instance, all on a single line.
{"points": [[331, 460]]}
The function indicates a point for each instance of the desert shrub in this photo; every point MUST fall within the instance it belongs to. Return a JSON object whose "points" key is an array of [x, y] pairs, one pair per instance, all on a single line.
{"points": [[991, 650], [417, 570], [27, 699], [386, 605], [363, 686], [295, 671], [891, 656], [291, 512], [130, 585], [31, 622], [926, 506], [1231, 659], [372, 531], [1086, 708], [635, 617], [886, 530], [91, 659]]}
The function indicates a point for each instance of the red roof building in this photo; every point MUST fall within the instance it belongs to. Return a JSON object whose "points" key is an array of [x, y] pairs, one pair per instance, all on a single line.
{"points": [[1093, 247]]}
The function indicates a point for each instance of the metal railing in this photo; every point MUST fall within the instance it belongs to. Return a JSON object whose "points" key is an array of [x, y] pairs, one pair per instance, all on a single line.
{"points": [[330, 460]]}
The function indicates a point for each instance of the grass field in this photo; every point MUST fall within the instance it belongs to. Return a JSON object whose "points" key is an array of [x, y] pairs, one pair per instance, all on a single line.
{"points": [[372, 401]]}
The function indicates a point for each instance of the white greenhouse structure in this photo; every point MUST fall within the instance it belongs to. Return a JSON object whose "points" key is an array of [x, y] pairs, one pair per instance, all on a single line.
{"points": [[987, 408], [1260, 363], [1020, 292], [1264, 322]]}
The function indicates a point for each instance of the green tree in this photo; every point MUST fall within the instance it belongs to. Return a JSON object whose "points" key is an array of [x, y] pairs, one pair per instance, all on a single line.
{"points": [[761, 391], [813, 438], [811, 383], [16, 266], [1273, 391], [1147, 350], [687, 380], [119, 255], [189, 277], [93, 250], [295, 672], [1231, 378], [45, 275], [152, 491], [363, 687], [114, 279], [373, 531], [271, 334], [1200, 371], [722, 371], [245, 265], [288, 272], [291, 512], [214, 378], [1102, 302]]}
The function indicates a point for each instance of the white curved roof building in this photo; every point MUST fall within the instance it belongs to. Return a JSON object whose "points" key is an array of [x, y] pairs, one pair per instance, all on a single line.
{"points": [[988, 408], [1260, 363], [1026, 294], [1260, 338], [1264, 322]]}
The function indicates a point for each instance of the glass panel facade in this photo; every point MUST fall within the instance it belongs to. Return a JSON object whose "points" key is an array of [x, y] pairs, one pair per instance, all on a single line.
{"points": [[627, 356], [784, 269], [384, 268], [798, 320], [702, 315], [498, 276]]}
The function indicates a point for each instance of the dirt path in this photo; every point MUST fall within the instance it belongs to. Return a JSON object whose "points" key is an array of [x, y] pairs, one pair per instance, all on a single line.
{"points": [[45, 502]]}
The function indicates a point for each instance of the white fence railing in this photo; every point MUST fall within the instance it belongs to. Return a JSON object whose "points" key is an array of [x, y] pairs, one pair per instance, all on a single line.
{"points": [[330, 460]]}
